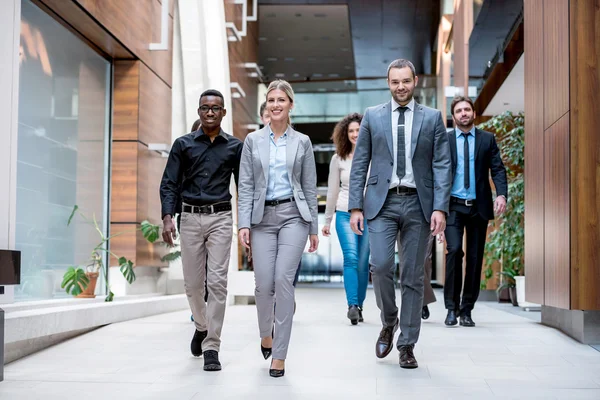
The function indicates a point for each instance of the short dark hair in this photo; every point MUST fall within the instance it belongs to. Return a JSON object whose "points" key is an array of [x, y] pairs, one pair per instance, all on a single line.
{"points": [[401, 63], [343, 146], [458, 99], [212, 92], [196, 125], [262, 108]]}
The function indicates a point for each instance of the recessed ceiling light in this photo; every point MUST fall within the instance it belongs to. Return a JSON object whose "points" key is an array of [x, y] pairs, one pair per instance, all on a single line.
{"points": [[280, 75], [344, 49], [347, 67], [272, 59], [300, 89], [296, 75], [317, 75], [334, 75], [322, 89], [262, 38], [289, 59]]}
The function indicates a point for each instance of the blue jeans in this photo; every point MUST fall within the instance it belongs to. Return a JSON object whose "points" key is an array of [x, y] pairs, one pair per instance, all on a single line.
{"points": [[356, 258]]}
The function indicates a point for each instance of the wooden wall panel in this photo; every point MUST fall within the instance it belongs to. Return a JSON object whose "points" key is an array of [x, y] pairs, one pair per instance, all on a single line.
{"points": [[585, 150], [124, 188], [136, 24], [240, 52], [556, 59], [150, 169], [534, 151], [154, 109], [125, 99], [557, 214], [134, 247]]}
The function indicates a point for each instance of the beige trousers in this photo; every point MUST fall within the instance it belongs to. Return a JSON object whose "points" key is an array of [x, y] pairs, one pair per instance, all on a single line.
{"points": [[206, 238]]}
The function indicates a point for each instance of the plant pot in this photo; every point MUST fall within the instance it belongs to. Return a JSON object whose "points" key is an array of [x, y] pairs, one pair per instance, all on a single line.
{"points": [[520, 280], [512, 291], [503, 295], [88, 293]]}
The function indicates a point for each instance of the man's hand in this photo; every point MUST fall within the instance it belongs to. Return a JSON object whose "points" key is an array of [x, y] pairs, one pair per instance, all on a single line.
{"points": [[357, 222], [500, 205], [244, 237], [438, 223], [169, 232], [314, 243], [326, 231]]}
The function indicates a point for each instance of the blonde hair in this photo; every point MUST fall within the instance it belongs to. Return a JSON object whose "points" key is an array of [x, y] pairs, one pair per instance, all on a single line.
{"points": [[286, 88]]}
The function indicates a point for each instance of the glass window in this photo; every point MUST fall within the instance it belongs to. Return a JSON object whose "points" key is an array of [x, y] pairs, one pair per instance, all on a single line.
{"points": [[63, 151]]}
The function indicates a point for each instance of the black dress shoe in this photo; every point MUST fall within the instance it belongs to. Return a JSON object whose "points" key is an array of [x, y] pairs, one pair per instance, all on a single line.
{"points": [[211, 361], [425, 312], [196, 345], [266, 351], [407, 357], [384, 342], [353, 314], [276, 373], [360, 317], [465, 320], [451, 318]]}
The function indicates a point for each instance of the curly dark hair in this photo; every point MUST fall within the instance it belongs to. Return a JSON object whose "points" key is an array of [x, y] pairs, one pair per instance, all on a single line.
{"points": [[343, 146]]}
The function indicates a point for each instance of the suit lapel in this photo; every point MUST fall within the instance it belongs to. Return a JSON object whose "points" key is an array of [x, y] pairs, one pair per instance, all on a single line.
{"points": [[263, 149], [291, 147], [416, 126], [386, 115], [478, 140], [452, 140]]}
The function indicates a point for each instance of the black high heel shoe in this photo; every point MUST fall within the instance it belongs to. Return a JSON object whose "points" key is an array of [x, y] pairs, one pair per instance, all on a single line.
{"points": [[276, 373], [266, 351]]}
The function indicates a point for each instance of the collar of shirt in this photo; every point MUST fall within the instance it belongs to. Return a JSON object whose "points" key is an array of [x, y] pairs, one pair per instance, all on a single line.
{"points": [[272, 134], [410, 105], [458, 132], [201, 135]]}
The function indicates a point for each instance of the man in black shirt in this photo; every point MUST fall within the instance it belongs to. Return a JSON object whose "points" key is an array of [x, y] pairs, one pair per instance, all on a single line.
{"points": [[198, 173]]}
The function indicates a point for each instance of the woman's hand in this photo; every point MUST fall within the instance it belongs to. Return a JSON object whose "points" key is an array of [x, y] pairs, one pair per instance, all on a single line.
{"points": [[325, 231], [314, 243], [244, 237]]}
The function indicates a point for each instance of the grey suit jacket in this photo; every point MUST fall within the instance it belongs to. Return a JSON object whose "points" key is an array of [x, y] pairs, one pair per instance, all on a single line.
{"points": [[431, 161], [254, 177]]}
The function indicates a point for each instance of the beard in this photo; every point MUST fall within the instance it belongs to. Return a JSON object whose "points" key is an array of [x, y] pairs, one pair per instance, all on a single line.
{"points": [[462, 124], [402, 98]]}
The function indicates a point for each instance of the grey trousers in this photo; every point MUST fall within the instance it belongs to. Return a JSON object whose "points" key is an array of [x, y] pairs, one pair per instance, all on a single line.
{"points": [[428, 295], [400, 213], [205, 252], [277, 246]]}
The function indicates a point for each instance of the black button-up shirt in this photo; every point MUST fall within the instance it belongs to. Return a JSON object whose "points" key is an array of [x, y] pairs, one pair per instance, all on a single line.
{"points": [[198, 171]]}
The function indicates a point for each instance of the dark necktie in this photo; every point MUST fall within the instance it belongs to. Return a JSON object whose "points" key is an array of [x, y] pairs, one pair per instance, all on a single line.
{"points": [[467, 160], [401, 156]]}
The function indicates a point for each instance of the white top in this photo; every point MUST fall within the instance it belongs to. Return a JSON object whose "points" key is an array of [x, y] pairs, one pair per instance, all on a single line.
{"points": [[338, 186], [409, 178]]}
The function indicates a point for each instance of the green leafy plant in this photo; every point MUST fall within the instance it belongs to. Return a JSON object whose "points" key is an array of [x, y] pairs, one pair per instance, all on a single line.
{"points": [[507, 242], [76, 280]]}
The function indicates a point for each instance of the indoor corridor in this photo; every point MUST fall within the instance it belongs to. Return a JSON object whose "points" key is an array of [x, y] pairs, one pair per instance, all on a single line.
{"points": [[509, 355]]}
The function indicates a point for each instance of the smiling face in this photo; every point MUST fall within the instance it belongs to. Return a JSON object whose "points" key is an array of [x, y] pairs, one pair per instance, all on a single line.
{"points": [[402, 82], [463, 115], [353, 129], [211, 112], [278, 105]]}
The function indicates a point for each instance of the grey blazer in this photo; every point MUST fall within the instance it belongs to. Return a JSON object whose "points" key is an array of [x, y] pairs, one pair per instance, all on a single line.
{"points": [[431, 161], [254, 177]]}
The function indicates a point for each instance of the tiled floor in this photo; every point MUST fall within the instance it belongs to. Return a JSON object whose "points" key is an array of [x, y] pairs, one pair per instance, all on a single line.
{"points": [[506, 356]]}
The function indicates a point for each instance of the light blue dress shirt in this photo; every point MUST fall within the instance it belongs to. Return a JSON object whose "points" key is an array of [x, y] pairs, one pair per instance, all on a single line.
{"points": [[458, 187], [279, 186]]}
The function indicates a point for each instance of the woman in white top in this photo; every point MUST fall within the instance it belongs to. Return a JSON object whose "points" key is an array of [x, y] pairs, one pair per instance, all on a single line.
{"points": [[354, 247]]}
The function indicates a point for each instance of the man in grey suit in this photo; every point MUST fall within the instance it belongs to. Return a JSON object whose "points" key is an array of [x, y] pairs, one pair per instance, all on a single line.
{"points": [[408, 192]]}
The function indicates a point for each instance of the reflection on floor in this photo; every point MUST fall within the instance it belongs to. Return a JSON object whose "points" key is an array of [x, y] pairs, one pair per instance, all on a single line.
{"points": [[506, 356]]}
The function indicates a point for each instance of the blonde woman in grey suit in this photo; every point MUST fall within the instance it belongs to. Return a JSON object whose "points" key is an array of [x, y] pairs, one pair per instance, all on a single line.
{"points": [[277, 212]]}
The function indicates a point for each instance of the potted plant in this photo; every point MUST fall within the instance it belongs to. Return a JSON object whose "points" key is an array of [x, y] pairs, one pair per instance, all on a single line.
{"points": [[506, 243], [81, 282], [507, 277]]}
